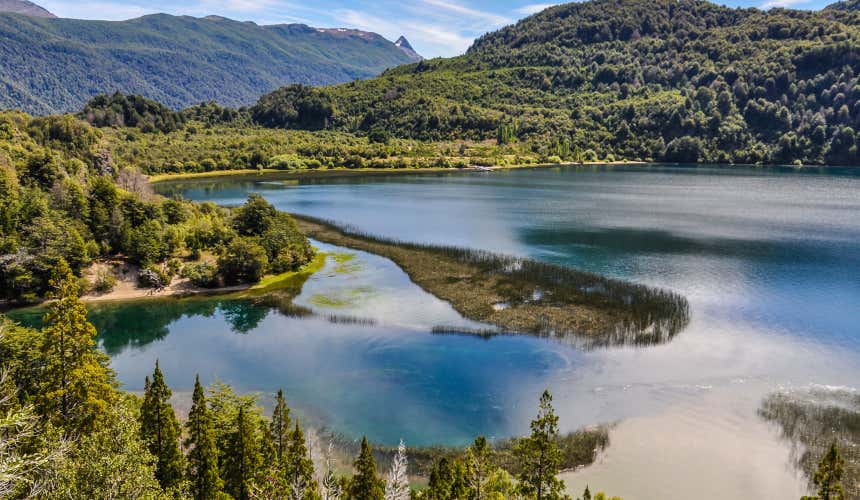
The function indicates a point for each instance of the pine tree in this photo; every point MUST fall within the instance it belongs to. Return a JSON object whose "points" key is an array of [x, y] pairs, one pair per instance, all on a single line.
{"points": [[397, 486], [828, 477], [241, 458], [460, 487], [77, 387], [479, 467], [298, 467], [365, 484], [539, 457], [160, 430], [280, 427], [441, 482], [202, 469]]}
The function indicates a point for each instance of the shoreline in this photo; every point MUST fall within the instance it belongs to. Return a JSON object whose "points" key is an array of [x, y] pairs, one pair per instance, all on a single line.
{"points": [[329, 173], [180, 288], [361, 172]]}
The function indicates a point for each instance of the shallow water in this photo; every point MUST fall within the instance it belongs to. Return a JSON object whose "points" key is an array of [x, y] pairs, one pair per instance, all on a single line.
{"points": [[769, 259]]}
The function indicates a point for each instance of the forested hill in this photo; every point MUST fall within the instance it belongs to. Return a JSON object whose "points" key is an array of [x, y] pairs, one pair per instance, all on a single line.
{"points": [[845, 5], [24, 7], [56, 65], [636, 79]]}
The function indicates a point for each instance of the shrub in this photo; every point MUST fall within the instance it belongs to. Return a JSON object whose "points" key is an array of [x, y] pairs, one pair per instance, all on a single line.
{"points": [[104, 282], [153, 277], [243, 261], [173, 267], [201, 274], [286, 162]]}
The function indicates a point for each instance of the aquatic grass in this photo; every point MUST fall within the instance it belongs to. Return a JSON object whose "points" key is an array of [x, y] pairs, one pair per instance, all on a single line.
{"points": [[811, 421], [541, 298], [578, 449]]}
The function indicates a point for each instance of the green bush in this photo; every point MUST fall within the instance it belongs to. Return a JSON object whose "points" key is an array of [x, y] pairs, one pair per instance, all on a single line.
{"points": [[153, 277], [286, 162], [243, 261], [201, 274], [104, 282]]}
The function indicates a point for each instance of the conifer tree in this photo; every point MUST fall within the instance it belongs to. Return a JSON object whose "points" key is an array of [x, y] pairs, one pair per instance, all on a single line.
{"points": [[77, 387], [479, 467], [202, 470], [539, 457], [460, 487], [280, 427], [241, 458], [828, 477], [441, 481], [298, 467], [365, 484], [160, 430]]}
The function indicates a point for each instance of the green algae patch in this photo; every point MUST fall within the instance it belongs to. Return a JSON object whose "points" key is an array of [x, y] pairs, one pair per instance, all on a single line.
{"points": [[328, 301], [343, 298], [345, 263], [290, 280]]}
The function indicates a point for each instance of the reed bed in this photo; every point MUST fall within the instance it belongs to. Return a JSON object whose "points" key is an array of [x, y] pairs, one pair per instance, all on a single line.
{"points": [[524, 295], [812, 420], [578, 449]]}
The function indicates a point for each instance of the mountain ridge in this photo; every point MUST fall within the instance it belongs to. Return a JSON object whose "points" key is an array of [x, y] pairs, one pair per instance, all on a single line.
{"points": [[24, 7], [403, 44], [666, 80], [51, 65]]}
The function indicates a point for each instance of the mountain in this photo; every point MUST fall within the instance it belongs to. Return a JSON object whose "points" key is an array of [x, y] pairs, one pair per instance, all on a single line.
{"points": [[50, 65], [671, 80], [849, 5], [24, 7], [403, 44]]}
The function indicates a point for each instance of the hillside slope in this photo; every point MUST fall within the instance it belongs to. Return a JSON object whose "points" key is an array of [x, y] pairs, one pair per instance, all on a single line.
{"points": [[56, 65], [668, 80], [24, 7]]}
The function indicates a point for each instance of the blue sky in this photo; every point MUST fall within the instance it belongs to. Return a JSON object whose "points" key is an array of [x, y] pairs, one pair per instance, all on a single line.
{"points": [[434, 27]]}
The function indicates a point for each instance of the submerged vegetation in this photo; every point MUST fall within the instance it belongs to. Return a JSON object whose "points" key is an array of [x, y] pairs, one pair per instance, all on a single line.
{"points": [[538, 298], [815, 422]]}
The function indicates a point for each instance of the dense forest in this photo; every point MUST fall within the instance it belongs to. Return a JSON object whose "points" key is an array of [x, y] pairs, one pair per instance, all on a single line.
{"points": [[666, 80], [50, 65], [64, 200]]}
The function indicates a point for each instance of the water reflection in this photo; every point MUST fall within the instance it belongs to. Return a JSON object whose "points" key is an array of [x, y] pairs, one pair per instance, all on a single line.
{"points": [[767, 257], [813, 419]]}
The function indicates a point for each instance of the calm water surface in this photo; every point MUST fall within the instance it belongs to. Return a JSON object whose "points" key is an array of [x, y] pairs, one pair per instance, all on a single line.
{"points": [[769, 259]]}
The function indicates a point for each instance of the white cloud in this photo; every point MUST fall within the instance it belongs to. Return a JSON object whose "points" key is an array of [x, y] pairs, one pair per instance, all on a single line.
{"points": [[250, 6], [461, 9], [435, 27], [430, 37], [783, 3], [108, 11], [534, 8]]}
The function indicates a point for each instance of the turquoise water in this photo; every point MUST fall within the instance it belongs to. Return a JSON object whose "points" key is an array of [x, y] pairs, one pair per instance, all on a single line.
{"points": [[768, 258]]}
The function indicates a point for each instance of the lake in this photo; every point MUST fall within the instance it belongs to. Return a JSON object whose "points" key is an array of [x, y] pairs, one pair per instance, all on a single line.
{"points": [[769, 259]]}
